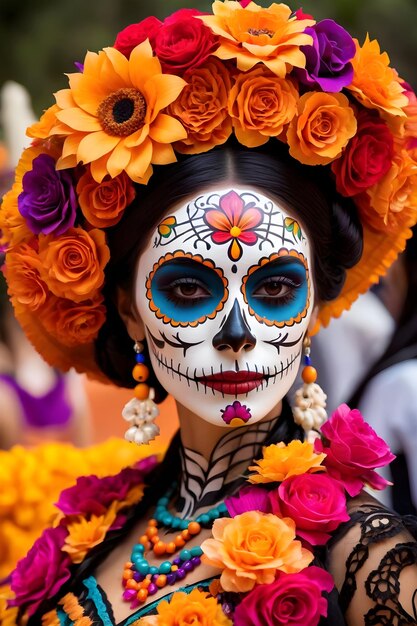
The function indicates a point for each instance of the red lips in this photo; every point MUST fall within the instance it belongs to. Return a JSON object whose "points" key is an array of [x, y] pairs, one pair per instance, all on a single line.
{"points": [[232, 383]]}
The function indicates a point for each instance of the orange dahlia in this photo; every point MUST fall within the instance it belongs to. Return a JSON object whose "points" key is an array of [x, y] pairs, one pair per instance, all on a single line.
{"points": [[375, 84], [111, 116], [281, 461], [254, 34]]}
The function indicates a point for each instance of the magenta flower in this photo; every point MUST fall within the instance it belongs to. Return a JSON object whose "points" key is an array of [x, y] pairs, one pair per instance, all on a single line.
{"points": [[249, 498], [353, 450], [292, 599], [42, 572], [48, 201], [316, 503], [92, 495], [234, 222], [236, 411], [328, 59]]}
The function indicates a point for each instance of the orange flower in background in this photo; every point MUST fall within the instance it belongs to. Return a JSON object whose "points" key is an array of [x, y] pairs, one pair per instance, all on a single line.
{"points": [[196, 608], [73, 324], [73, 264], [261, 105], [280, 461], [375, 84], [112, 114], [13, 227], [27, 287], [255, 34], [250, 548], [323, 127], [103, 203], [84, 534], [202, 108], [393, 200]]}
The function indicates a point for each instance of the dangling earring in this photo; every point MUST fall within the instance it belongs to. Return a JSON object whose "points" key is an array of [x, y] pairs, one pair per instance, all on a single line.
{"points": [[141, 411], [309, 408]]}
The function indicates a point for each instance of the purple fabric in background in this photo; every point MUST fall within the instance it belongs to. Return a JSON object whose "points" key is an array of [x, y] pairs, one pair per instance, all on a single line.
{"points": [[49, 409]]}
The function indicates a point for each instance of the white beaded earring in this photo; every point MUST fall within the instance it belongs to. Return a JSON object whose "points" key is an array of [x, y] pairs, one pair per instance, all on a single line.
{"points": [[141, 411]]}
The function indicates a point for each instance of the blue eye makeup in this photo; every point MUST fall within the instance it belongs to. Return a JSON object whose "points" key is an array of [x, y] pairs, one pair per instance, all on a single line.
{"points": [[184, 291], [278, 291]]}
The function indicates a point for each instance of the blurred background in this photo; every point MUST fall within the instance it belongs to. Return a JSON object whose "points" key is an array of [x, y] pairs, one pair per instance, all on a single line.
{"points": [[39, 41]]}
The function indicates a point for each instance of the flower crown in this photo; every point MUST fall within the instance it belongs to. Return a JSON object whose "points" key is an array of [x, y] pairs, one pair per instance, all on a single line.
{"points": [[185, 85]]}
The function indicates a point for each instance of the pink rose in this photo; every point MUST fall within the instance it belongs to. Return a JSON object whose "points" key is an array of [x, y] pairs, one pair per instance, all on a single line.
{"points": [[316, 503], [353, 450], [134, 34], [292, 599], [42, 572], [184, 42]]}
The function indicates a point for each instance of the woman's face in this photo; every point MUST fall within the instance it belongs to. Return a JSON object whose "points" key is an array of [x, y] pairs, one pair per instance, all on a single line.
{"points": [[225, 293]]}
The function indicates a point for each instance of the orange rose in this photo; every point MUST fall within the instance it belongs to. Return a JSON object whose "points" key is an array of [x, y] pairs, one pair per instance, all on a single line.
{"points": [[261, 105], [322, 128], [73, 324], [250, 548], [393, 200], [13, 227], [196, 608], [281, 461], [73, 264], [271, 35], [23, 273], [202, 108], [375, 83], [103, 203]]}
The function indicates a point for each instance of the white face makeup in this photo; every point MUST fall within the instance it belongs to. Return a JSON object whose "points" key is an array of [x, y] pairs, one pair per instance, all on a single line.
{"points": [[228, 299]]}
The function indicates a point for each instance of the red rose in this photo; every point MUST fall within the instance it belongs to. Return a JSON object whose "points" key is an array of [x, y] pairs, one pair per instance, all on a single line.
{"points": [[316, 503], [184, 42], [292, 599], [367, 157], [133, 35]]}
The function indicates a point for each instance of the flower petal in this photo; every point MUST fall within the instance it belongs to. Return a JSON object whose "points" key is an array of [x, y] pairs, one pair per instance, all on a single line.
{"points": [[232, 204], [218, 220], [96, 145], [167, 129], [251, 217], [140, 161], [235, 250], [163, 154], [143, 65], [118, 160], [79, 120], [161, 90]]}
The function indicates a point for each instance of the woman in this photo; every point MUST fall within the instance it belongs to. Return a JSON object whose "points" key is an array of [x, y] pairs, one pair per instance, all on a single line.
{"points": [[138, 222]]}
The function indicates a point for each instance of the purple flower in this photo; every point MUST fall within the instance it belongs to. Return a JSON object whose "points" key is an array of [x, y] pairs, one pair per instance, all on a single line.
{"points": [[328, 59], [48, 201], [92, 495], [147, 464], [42, 572], [249, 499], [236, 411]]}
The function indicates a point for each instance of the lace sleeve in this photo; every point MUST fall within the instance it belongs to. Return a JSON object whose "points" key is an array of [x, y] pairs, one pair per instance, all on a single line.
{"points": [[378, 587]]}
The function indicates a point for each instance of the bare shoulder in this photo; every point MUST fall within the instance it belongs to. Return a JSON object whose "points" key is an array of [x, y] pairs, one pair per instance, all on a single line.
{"points": [[374, 563]]}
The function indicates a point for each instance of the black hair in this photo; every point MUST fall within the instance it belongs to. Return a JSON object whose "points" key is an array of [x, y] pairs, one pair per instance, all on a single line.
{"points": [[308, 193]]}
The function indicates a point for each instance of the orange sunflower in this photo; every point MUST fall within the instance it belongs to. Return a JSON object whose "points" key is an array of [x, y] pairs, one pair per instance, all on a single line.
{"points": [[255, 34], [111, 116]]}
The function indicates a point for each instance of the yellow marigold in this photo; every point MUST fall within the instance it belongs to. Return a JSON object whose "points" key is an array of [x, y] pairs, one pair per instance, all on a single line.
{"points": [[375, 84], [112, 115], [196, 608], [202, 108], [323, 127], [282, 460], [27, 287], [73, 264], [84, 534], [392, 202], [255, 34], [261, 105], [250, 548]]}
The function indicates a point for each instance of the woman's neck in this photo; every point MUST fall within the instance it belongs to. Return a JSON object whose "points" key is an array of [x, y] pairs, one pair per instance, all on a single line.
{"points": [[214, 460]]}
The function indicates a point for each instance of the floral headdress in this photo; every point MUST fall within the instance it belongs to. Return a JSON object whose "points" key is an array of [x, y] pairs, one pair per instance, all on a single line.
{"points": [[185, 85]]}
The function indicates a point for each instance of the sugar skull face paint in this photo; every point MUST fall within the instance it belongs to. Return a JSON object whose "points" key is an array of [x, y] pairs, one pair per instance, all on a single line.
{"points": [[228, 300]]}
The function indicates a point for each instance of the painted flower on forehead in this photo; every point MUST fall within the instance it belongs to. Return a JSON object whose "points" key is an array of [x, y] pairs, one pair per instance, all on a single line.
{"points": [[375, 84], [282, 460], [111, 116], [328, 59], [254, 34], [48, 201], [234, 222]]}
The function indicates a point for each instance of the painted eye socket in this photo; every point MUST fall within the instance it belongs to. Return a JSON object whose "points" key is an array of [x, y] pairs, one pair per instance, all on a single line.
{"points": [[278, 291], [184, 291]]}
